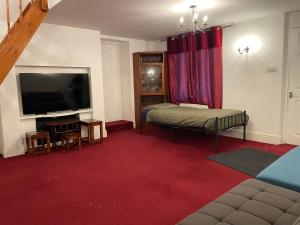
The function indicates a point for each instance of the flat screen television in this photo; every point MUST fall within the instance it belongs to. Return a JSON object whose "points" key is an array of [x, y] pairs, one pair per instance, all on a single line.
{"points": [[44, 93]]}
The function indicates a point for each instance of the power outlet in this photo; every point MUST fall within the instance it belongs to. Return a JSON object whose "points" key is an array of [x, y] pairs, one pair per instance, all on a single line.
{"points": [[272, 69]]}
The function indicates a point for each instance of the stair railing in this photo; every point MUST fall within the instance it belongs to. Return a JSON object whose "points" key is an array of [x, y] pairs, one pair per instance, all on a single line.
{"points": [[21, 32], [8, 16], [41, 3]]}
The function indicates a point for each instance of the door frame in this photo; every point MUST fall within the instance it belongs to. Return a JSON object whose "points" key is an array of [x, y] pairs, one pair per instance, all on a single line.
{"points": [[108, 42], [286, 77]]}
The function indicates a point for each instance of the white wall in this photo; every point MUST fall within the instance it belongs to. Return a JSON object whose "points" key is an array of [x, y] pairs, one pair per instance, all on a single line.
{"points": [[2, 33], [294, 19], [52, 3], [3, 29], [52, 47], [248, 84], [55, 48], [134, 45]]}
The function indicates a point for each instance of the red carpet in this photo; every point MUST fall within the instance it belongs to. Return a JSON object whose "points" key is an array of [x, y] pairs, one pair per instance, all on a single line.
{"points": [[129, 180]]}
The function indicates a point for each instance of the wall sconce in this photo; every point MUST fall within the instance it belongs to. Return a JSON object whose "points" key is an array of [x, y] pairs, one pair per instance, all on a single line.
{"points": [[248, 44], [242, 51]]}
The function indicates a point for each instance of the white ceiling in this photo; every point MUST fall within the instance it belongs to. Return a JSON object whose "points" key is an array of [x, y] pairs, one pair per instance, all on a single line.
{"points": [[156, 19]]}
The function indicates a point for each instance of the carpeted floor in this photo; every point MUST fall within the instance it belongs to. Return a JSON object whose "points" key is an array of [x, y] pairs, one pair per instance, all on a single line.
{"points": [[129, 180]]}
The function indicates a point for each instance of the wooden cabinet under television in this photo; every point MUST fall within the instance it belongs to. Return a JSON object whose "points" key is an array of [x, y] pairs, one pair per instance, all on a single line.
{"points": [[151, 84]]}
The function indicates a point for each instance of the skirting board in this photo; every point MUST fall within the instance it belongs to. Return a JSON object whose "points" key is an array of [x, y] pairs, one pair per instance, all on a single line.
{"points": [[253, 136], [20, 149]]}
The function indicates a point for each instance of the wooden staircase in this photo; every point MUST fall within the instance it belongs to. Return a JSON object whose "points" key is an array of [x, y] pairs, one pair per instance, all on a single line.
{"points": [[20, 34]]}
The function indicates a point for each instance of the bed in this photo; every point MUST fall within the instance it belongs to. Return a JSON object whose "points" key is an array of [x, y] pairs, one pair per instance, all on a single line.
{"points": [[209, 121]]}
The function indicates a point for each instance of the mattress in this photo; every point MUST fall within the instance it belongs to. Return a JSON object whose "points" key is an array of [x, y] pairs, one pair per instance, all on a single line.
{"points": [[284, 172], [187, 117]]}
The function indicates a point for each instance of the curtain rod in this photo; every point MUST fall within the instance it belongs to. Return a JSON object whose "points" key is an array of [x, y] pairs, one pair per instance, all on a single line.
{"points": [[224, 26]]}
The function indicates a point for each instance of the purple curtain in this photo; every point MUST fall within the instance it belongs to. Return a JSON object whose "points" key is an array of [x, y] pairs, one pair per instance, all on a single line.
{"points": [[195, 68]]}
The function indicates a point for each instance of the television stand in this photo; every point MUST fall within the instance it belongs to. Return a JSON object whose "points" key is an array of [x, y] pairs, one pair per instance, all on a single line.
{"points": [[62, 126]]}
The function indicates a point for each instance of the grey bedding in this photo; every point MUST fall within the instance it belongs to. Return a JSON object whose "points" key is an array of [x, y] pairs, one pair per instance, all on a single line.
{"points": [[187, 117]]}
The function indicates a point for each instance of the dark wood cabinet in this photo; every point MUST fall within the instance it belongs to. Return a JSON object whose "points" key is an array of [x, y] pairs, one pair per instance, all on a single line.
{"points": [[151, 84]]}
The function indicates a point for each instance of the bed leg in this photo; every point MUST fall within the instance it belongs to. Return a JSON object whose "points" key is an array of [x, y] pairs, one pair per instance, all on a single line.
{"points": [[244, 133], [244, 127], [217, 135]]}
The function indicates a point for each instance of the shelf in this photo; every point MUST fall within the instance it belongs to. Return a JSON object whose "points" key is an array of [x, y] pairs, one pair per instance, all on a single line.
{"points": [[152, 64], [55, 114], [145, 79], [153, 94]]}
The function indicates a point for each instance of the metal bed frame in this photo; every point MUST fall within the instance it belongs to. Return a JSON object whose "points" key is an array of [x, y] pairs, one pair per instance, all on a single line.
{"points": [[216, 132]]}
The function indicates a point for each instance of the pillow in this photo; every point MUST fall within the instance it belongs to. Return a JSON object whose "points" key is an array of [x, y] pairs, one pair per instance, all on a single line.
{"points": [[193, 106], [297, 222], [160, 106]]}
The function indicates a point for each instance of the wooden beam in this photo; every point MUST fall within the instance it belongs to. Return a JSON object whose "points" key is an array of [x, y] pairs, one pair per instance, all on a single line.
{"points": [[20, 35], [44, 5]]}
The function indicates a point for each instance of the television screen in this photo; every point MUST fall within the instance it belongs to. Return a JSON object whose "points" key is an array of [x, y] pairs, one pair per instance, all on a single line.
{"points": [[43, 93]]}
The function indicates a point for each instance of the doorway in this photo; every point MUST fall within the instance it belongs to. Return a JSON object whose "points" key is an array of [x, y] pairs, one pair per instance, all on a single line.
{"points": [[293, 112], [112, 81]]}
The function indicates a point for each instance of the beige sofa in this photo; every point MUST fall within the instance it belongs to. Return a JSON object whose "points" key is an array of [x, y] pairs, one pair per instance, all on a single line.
{"points": [[253, 202]]}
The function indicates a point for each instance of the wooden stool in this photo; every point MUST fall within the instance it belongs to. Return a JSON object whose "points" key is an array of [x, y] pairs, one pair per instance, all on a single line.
{"points": [[60, 127], [67, 137], [32, 137], [91, 124]]}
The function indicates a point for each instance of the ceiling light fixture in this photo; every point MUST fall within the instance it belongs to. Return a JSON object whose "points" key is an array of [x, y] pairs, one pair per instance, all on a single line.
{"points": [[184, 5], [195, 26]]}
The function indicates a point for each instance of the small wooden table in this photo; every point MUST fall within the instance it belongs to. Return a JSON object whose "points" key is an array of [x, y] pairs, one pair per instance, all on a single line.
{"points": [[32, 137], [67, 137], [91, 124], [60, 127]]}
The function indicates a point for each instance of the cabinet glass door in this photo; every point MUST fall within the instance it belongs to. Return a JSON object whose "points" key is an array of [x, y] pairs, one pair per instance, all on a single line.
{"points": [[152, 82]]}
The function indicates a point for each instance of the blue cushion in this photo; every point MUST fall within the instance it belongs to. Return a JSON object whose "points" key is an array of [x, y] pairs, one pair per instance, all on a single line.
{"points": [[284, 172]]}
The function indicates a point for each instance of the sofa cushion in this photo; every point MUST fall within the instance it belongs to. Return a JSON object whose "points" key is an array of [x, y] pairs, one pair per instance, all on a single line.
{"points": [[284, 172], [251, 202], [297, 222]]}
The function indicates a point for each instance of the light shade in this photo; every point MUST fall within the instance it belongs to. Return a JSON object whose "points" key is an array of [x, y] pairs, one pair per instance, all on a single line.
{"points": [[181, 20]]}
